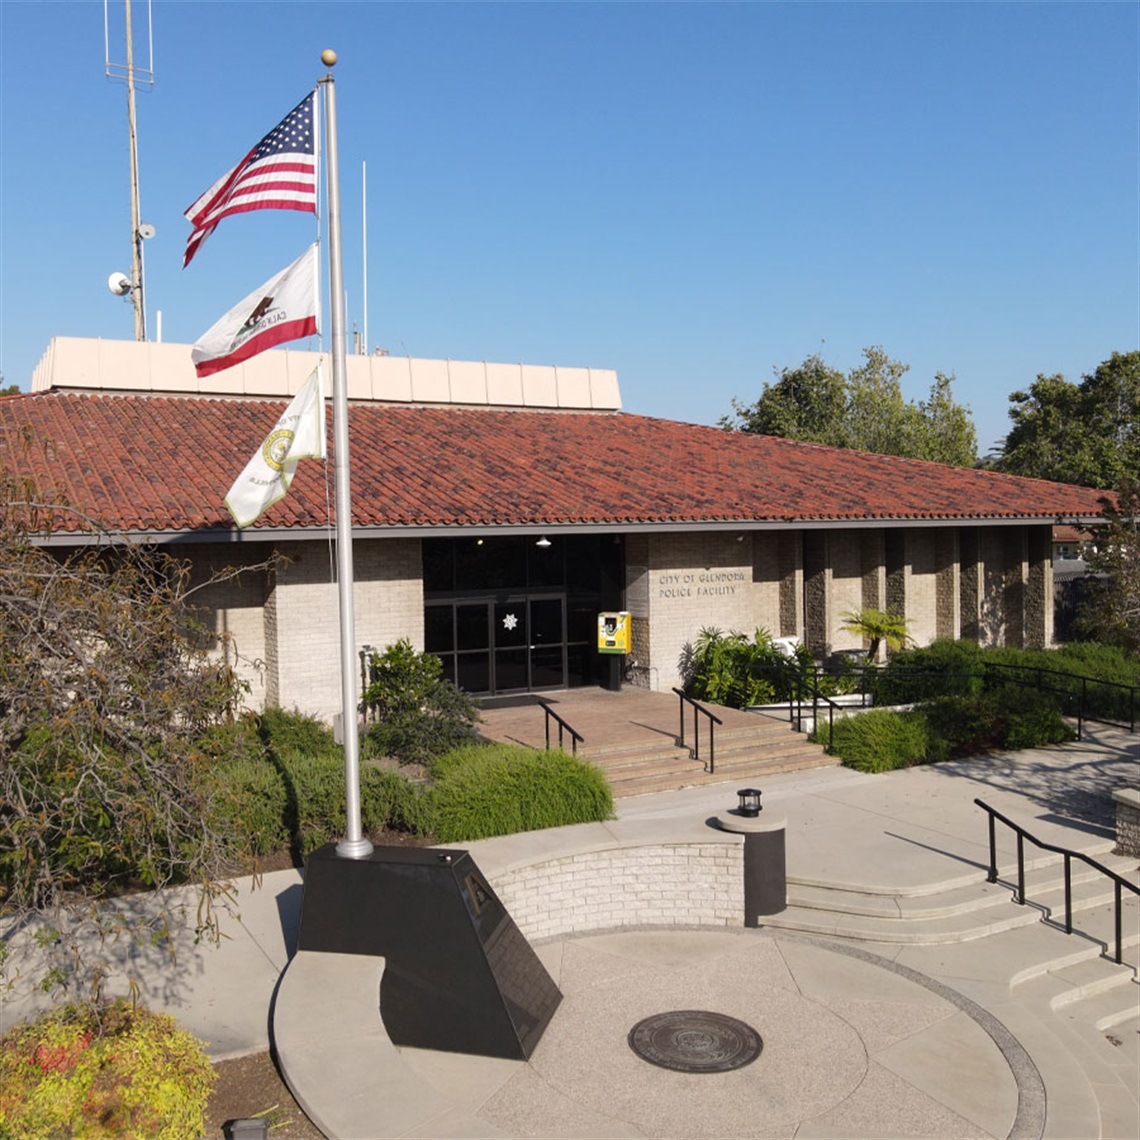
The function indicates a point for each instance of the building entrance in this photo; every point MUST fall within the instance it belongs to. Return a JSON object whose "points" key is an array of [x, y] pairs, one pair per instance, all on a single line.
{"points": [[506, 615]]}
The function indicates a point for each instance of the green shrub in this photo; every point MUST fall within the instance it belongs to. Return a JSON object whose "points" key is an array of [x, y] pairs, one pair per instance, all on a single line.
{"points": [[297, 799], [879, 740], [484, 790], [1030, 719], [418, 713], [102, 1074], [249, 800], [1022, 717], [943, 668], [316, 804], [290, 729], [1092, 672], [963, 726], [946, 728], [734, 670]]}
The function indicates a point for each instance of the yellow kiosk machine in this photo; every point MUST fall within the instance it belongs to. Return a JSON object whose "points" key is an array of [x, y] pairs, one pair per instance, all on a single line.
{"points": [[613, 632], [614, 640]]}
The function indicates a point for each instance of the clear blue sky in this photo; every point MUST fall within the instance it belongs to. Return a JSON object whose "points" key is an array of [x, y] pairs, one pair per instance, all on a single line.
{"points": [[691, 194]]}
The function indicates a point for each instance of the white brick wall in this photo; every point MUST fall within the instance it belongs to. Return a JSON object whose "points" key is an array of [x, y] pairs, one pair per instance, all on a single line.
{"points": [[687, 884], [388, 604]]}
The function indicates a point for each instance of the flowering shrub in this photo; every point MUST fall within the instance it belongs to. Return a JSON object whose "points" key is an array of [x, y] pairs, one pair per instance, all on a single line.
{"points": [[94, 1074]]}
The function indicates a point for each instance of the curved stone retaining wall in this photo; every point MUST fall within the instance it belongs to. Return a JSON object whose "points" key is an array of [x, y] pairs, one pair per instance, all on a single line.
{"points": [[620, 881]]}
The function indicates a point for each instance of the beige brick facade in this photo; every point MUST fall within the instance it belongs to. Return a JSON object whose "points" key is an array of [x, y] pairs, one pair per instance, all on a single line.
{"points": [[283, 628], [698, 580], [992, 583]]}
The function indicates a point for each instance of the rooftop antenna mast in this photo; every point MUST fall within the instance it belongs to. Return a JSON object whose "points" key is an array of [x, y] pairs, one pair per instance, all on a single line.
{"points": [[140, 230]]}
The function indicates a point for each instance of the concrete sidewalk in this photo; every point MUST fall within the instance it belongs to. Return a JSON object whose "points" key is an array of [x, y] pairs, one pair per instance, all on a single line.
{"points": [[859, 1041]]}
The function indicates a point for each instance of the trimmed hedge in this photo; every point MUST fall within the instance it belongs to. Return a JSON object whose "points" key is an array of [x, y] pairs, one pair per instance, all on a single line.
{"points": [[297, 800], [1011, 717], [279, 783], [961, 668], [102, 1074], [880, 740], [483, 790]]}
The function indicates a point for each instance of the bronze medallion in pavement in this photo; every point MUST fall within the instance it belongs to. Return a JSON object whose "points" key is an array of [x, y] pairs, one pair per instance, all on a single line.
{"points": [[695, 1041]]}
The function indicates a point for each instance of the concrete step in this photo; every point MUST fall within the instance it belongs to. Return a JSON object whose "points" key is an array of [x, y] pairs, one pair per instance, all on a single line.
{"points": [[762, 736], [958, 898], [742, 754], [633, 782], [931, 922], [726, 767], [1099, 849], [1094, 991]]}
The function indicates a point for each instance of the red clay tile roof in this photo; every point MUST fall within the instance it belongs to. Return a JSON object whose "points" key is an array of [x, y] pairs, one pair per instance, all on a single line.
{"points": [[157, 463]]}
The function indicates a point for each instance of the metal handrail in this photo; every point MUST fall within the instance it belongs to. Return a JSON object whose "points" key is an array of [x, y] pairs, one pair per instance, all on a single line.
{"points": [[575, 737], [992, 876], [801, 679], [713, 721], [1082, 697]]}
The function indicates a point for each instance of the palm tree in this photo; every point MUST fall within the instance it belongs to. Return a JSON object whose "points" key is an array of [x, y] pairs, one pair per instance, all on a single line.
{"points": [[878, 626]]}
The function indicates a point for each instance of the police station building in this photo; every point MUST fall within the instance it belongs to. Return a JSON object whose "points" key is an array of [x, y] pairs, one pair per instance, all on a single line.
{"points": [[499, 508]]}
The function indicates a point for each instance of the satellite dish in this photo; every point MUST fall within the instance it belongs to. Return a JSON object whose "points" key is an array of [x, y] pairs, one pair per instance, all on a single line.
{"points": [[119, 284], [146, 231]]}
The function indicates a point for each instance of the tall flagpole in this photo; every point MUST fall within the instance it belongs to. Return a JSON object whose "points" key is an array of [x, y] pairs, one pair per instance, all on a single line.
{"points": [[354, 845]]}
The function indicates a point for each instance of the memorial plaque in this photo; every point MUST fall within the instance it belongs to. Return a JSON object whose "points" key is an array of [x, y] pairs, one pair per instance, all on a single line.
{"points": [[695, 1041]]}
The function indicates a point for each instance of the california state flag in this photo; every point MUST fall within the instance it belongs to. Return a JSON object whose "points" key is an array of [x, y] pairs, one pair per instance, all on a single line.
{"points": [[298, 434], [285, 308]]}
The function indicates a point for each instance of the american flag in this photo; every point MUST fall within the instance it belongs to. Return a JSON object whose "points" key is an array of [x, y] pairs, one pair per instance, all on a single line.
{"points": [[280, 173]]}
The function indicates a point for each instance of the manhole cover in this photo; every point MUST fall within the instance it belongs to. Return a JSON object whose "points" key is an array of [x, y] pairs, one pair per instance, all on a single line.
{"points": [[695, 1041]]}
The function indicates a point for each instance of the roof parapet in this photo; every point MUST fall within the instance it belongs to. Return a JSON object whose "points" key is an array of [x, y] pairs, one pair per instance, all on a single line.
{"points": [[127, 366]]}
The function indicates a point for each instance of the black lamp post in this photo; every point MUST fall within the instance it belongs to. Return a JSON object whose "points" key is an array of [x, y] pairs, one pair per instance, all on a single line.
{"points": [[749, 802]]}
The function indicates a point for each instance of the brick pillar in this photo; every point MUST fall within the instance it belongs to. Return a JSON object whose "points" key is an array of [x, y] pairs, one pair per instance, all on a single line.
{"points": [[1039, 587], [637, 602], [791, 583], [272, 656], [816, 576], [1015, 550], [969, 584], [874, 572], [895, 560], [947, 616]]}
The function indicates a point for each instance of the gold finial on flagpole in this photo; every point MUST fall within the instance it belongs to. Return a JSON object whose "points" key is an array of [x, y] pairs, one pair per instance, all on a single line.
{"points": [[328, 57]]}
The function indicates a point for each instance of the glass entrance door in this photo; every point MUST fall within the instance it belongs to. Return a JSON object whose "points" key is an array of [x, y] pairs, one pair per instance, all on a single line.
{"points": [[530, 644], [500, 646], [547, 643]]}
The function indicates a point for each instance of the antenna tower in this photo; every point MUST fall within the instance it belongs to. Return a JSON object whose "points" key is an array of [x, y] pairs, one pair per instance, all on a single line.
{"points": [[133, 74]]}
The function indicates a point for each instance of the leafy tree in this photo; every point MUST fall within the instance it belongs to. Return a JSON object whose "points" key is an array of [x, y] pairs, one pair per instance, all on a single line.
{"points": [[418, 712], [1112, 612], [878, 626], [806, 402], [1086, 433], [864, 409], [105, 694]]}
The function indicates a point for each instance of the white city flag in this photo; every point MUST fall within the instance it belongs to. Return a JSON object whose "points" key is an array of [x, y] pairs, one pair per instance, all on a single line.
{"points": [[298, 434]]}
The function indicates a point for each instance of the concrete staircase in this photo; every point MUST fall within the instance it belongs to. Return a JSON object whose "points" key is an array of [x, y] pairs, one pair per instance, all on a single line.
{"points": [[632, 735], [743, 754], [1064, 995], [957, 910]]}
